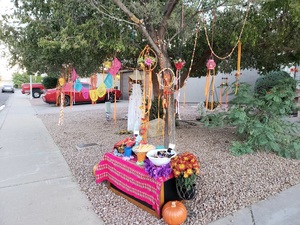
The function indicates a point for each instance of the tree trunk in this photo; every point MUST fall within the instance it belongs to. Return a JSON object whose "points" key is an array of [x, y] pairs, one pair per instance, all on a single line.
{"points": [[169, 117], [156, 41]]}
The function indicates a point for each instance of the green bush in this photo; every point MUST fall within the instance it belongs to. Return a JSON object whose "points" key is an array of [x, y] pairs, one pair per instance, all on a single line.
{"points": [[266, 82], [260, 123], [19, 79], [50, 82]]}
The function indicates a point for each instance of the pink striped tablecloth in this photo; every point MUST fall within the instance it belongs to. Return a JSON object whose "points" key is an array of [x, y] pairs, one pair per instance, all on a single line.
{"points": [[131, 179]]}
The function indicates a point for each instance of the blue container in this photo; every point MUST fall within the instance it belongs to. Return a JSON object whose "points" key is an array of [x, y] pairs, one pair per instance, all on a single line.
{"points": [[128, 151]]}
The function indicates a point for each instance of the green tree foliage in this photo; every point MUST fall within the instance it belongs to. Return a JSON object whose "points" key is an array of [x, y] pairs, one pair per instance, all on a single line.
{"points": [[260, 123], [50, 82], [86, 32], [271, 35], [19, 79], [55, 32]]}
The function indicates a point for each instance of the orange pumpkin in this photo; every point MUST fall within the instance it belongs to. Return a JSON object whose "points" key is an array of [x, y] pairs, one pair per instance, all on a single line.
{"points": [[174, 213]]}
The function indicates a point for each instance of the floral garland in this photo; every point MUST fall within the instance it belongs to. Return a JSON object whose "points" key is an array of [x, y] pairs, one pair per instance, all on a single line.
{"points": [[157, 171]]}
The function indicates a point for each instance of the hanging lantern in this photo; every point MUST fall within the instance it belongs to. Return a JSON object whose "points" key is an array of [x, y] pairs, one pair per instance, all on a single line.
{"points": [[179, 63], [210, 64]]}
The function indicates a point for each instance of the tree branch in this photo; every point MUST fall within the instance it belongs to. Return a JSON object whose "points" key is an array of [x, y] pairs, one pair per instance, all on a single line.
{"points": [[168, 9], [138, 23]]}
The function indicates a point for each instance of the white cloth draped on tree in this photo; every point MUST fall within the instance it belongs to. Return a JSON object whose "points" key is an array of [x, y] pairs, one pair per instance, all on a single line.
{"points": [[134, 108]]}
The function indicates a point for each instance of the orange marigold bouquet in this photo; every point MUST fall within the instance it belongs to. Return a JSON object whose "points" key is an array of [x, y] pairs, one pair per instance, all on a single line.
{"points": [[185, 167]]}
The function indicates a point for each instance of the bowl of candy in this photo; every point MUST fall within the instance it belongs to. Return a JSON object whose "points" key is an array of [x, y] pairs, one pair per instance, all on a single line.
{"points": [[161, 157]]}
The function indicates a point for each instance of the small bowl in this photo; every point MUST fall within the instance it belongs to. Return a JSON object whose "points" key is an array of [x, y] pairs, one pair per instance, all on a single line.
{"points": [[159, 161]]}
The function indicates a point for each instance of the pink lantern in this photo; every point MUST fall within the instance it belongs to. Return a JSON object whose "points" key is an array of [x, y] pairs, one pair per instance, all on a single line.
{"points": [[210, 64]]}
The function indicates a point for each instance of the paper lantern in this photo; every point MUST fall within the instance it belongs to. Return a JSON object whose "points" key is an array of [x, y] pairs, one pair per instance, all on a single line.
{"points": [[210, 64]]}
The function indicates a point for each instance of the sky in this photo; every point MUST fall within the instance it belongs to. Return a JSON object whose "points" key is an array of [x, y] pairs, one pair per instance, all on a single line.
{"points": [[5, 71]]}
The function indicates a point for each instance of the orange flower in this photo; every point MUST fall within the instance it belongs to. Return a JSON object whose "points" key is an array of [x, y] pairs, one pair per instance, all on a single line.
{"points": [[185, 164], [189, 166]]}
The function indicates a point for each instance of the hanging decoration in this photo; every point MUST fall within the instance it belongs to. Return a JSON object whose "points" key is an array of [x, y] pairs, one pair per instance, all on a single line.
{"points": [[108, 81], [210, 83], [74, 75], [166, 82], [77, 85], [179, 64], [238, 70], [192, 58], [147, 61], [101, 90], [165, 79], [60, 94], [135, 102], [61, 111], [107, 64], [62, 81], [85, 92], [115, 67], [224, 91], [93, 92], [210, 45], [93, 95]]}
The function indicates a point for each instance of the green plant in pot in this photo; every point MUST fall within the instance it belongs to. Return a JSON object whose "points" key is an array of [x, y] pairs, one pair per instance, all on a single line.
{"points": [[185, 167]]}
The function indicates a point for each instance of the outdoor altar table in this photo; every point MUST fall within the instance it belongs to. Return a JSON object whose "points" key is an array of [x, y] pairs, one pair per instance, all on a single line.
{"points": [[131, 181]]}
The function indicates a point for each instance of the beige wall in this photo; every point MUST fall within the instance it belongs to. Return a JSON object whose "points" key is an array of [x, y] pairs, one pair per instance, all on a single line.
{"points": [[194, 91]]}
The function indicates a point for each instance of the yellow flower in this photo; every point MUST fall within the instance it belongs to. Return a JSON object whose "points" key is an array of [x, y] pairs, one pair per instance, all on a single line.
{"points": [[185, 175], [189, 171], [181, 167]]}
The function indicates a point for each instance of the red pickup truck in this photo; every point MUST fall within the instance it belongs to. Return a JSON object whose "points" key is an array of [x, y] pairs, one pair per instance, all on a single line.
{"points": [[37, 89]]}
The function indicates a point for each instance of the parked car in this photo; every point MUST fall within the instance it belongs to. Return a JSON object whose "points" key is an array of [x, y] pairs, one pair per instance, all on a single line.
{"points": [[52, 96], [37, 89], [8, 88]]}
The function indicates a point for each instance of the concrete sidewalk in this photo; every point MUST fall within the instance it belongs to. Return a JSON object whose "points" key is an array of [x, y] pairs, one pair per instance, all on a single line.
{"points": [[36, 185], [280, 209]]}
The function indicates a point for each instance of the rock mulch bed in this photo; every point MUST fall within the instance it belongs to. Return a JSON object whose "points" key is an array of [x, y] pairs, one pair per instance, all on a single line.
{"points": [[227, 183]]}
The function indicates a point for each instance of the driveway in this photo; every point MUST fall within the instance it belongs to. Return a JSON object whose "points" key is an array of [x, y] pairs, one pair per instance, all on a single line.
{"points": [[41, 107]]}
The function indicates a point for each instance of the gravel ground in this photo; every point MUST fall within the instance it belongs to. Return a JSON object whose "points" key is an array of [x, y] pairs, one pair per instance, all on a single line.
{"points": [[227, 183]]}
